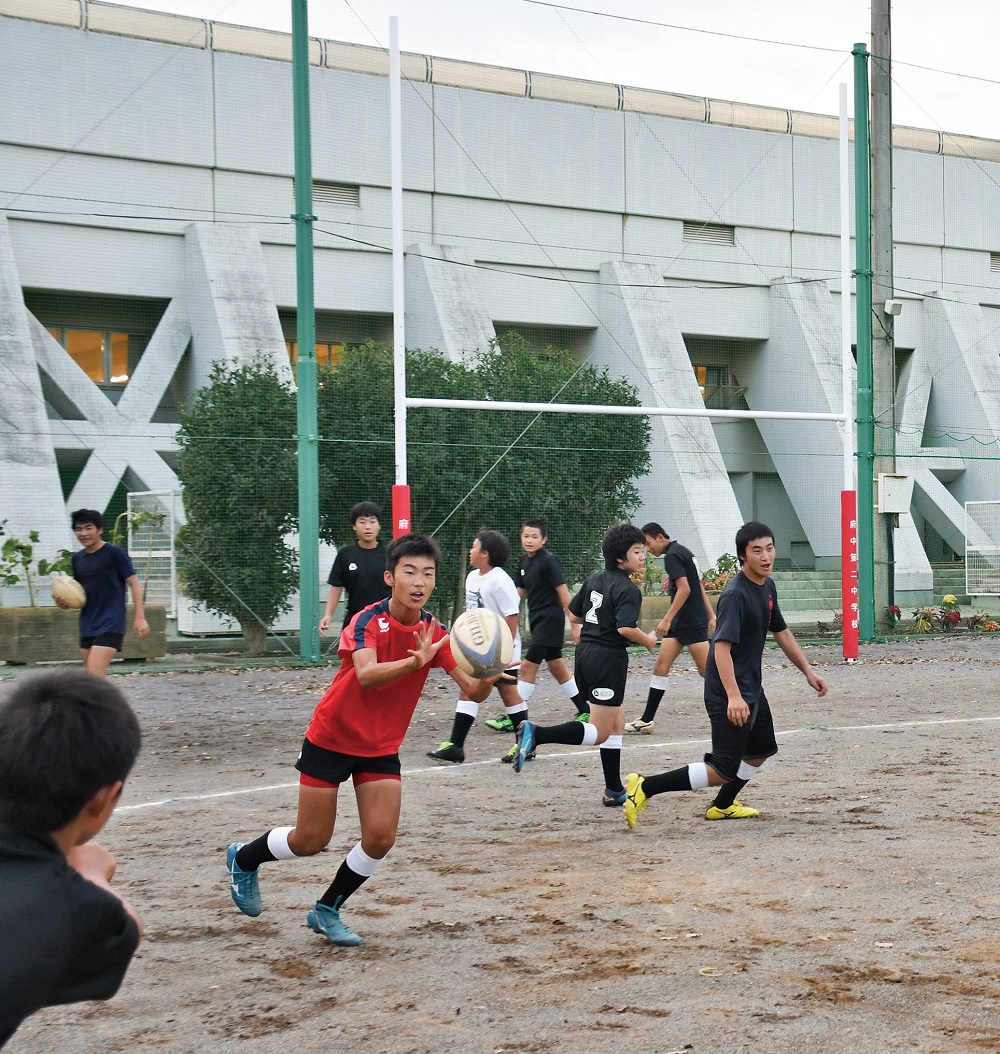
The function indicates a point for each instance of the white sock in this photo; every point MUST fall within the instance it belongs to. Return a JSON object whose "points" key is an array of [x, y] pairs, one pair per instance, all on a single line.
{"points": [[698, 775], [589, 734], [746, 772], [612, 743], [361, 863], [518, 708], [569, 687], [658, 682], [524, 689], [277, 843], [467, 706]]}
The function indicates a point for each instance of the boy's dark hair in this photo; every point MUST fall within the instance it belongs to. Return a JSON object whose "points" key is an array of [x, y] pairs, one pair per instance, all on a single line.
{"points": [[366, 508], [87, 516], [654, 530], [63, 737], [411, 545], [495, 545], [748, 533], [538, 524], [617, 541]]}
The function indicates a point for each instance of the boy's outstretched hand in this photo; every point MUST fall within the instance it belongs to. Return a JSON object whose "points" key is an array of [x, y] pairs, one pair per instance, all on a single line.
{"points": [[425, 647]]}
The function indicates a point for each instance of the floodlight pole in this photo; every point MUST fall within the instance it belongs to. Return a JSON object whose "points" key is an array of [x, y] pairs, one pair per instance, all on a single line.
{"points": [[305, 373]]}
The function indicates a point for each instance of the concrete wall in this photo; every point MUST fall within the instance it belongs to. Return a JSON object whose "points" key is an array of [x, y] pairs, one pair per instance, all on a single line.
{"points": [[134, 167]]}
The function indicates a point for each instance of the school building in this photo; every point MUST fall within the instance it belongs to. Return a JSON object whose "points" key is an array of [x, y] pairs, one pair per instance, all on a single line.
{"points": [[689, 244]]}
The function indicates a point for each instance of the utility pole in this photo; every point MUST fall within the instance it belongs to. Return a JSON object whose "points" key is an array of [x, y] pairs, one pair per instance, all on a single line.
{"points": [[883, 340]]}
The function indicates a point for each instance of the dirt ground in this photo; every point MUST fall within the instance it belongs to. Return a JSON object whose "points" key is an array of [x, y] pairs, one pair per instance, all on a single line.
{"points": [[515, 913]]}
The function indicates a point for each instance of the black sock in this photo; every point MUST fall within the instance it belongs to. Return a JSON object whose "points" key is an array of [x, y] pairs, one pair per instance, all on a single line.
{"points": [[727, 793], [516, 719], [346, 883], [460, 728], [571, 733], [611, 762], [675, 780], [254, 853], [652, 703], [582, 706]]}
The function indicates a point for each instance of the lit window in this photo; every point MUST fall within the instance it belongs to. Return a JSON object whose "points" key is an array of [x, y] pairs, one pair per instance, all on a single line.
{"points": [[100, 353], [326, 354], [719, 387]]}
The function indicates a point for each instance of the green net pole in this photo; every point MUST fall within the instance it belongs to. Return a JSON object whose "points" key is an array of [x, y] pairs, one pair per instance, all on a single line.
{"points": [[309, 649]]}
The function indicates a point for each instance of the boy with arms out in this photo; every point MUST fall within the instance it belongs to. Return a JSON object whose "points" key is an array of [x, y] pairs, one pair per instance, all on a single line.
{"points": [[742, 727], [386, 654], [542, 583], [359, 568], [688, 623], [488, 586], [607, 607], [104, 570], [68, 741]]}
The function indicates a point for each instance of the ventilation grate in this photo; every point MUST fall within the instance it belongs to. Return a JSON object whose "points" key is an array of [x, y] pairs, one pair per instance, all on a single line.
{"points": [[337, 194], [995, 261], [710, 233]]}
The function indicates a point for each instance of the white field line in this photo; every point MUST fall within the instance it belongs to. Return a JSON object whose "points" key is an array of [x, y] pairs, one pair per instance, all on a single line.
{"points": [[633, 742]]}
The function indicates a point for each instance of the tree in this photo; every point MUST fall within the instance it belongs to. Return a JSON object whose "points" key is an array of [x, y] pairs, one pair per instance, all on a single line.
{"points": [[468, 468], [238, 467]]}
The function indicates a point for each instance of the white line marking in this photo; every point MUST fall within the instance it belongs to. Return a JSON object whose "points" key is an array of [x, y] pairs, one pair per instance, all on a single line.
{"points": [[444, 772]]}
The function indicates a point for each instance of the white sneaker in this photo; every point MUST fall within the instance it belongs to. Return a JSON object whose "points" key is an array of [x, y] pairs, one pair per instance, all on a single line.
{"points": [[639, 726]]}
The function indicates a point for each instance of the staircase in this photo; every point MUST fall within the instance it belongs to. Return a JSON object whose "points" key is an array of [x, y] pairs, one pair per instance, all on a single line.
{"points": [[808, 596]]}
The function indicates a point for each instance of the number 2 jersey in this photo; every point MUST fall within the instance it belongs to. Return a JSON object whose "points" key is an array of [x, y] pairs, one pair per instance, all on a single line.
{"points": [[372, 722], [606, 602]]}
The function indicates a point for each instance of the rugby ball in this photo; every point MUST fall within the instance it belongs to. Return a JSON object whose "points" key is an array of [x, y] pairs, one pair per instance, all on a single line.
{"points": [[481, 643], [68, 590]]}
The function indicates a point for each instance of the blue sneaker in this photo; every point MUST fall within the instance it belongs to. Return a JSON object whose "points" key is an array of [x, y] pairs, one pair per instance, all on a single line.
{"points": [[613, 798], [326, 920], [243, 885], [525, 744]]}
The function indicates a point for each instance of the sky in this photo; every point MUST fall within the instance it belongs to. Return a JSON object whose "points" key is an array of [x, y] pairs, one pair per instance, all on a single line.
{"points": [[788, 53]]}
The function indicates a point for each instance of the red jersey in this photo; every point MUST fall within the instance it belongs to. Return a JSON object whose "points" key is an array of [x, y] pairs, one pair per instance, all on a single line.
{"points": [[371, 722]]}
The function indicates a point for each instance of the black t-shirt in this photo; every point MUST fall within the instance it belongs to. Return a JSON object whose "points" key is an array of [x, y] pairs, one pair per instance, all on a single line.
{"points": [[607, 601], [679, 563], [65, 939], [745, 614], [362, 573], [539, 576]]}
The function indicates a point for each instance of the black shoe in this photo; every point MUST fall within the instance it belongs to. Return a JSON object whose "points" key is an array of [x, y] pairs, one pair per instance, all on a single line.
{"points": [[448, 752]]}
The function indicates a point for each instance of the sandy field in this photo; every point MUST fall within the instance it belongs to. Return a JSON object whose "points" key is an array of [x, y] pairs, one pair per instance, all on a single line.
{"points": [[858, 914]]}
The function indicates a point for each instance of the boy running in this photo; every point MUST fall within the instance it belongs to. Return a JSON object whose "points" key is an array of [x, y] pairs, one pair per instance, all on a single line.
{"points": [[386, 653], [688, 623], [742, 727], [542, 583], [488, 586], [608, 607]]}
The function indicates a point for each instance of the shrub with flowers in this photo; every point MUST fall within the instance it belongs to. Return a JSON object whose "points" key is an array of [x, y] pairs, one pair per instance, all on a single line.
{"points": [[924, 619], [716, 577], [894, 612], [949, 619]]}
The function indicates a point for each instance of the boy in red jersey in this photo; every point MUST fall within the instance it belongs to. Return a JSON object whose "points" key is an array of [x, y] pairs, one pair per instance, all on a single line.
{"points": [[386, 652]]}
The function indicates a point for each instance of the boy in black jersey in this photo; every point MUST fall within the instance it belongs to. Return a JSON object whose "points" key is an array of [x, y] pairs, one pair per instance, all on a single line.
{"points": [[359, 568], [607, 608], [742, 728]]}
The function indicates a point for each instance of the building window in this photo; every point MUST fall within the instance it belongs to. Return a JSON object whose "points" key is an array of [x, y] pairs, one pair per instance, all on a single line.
{"points": [[326, 354], [101, 353], [719, 388]]}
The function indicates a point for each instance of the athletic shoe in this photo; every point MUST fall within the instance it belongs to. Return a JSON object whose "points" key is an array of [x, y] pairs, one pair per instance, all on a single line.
{"points": [[500, 724], [326, 920], [583, 718], [612, 798], [638, 726], [635, 798], [243, 885], [448, 752], [508, 758], [525, 744], [736, 811]]}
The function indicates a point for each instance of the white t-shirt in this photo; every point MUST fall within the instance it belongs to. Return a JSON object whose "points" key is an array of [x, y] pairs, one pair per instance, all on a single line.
{"points": [[494, 590]]}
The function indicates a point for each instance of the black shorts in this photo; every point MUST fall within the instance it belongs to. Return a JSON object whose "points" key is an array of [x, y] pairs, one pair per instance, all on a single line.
{"points": [[600, 674], [103, 640], [731, 744], [689, 634], [539, 653], [549, 631], [332, 768]]}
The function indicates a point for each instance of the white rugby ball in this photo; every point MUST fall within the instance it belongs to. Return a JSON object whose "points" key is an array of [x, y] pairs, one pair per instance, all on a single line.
{"points": [[69, 590], [481, 643]]}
